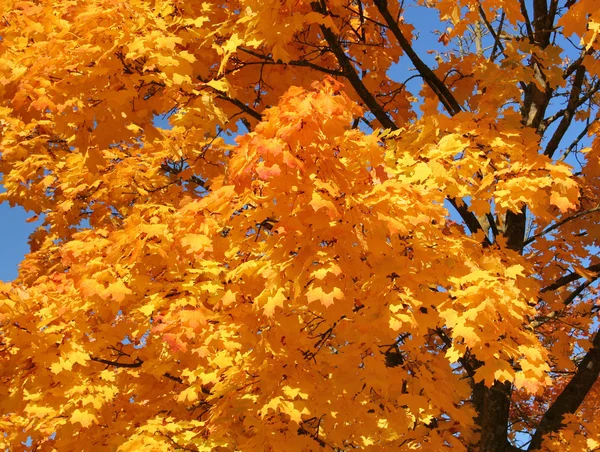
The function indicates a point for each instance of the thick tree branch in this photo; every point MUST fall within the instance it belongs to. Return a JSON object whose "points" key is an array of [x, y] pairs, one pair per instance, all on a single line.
{"points": [[565, 122], [588, 94], [572, 396], [564, 280], [552, 10], [350, 73], [438, 87], [579, 289], [541, 28], [515, 229], [492, 405], [575, 64], [469, 218], [527, 20]]}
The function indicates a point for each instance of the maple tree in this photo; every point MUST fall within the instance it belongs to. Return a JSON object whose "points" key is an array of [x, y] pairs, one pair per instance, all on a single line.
{"points": [[373, 264]]}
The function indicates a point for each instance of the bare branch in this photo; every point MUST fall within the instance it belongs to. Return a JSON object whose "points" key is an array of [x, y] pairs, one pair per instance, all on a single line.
{"points": [[576, 140], [468, 217], [593, 90], [496, 36], [528, 26], [540, 320], [559, 224]]}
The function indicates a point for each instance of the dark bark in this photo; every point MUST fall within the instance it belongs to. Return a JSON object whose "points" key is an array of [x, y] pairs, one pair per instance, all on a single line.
{"points": [[492, 405], [515, 229]]}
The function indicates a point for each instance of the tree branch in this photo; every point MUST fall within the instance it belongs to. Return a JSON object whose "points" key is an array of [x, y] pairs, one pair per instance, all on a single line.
{"points": [[301, 63], [589, 93], [541, 31], [525, 15], [541, 320], [468, 217], [565, 122], [559, 224], [242, 106], [572, 396], [496, 36], [575, 64], [135, 364], [564, 280], [350, 73], [576, 140], [438, 87]]}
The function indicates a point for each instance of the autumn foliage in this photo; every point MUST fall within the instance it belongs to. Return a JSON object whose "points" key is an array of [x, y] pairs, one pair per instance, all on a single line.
{"points": [[381, 260]]}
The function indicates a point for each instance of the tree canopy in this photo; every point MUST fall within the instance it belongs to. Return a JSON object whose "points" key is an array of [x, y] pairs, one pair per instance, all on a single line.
{"points": [[382, 259]]}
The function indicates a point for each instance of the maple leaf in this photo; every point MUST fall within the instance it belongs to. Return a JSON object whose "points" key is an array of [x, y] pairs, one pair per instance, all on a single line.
{"points": [[326, 298], [84, 417], [188, 394], [117, 291], [318, 202], [273, 302], [197, 243]]}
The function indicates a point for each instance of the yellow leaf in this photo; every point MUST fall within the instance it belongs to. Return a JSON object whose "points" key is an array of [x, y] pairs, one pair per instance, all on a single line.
{"points": [[421, 172], [230, 47], [197, 243], [228, 298], [562, 202], [274, 301], [107, 375], [514, 271], [180, 79], [117, 291], [219, 85], [39, 411], [318, 202], [85, 418], [190, 394], [326, 298]]}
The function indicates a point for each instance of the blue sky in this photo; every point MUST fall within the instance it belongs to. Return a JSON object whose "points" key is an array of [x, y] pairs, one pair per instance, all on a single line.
{"points": [[14, 232]]}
